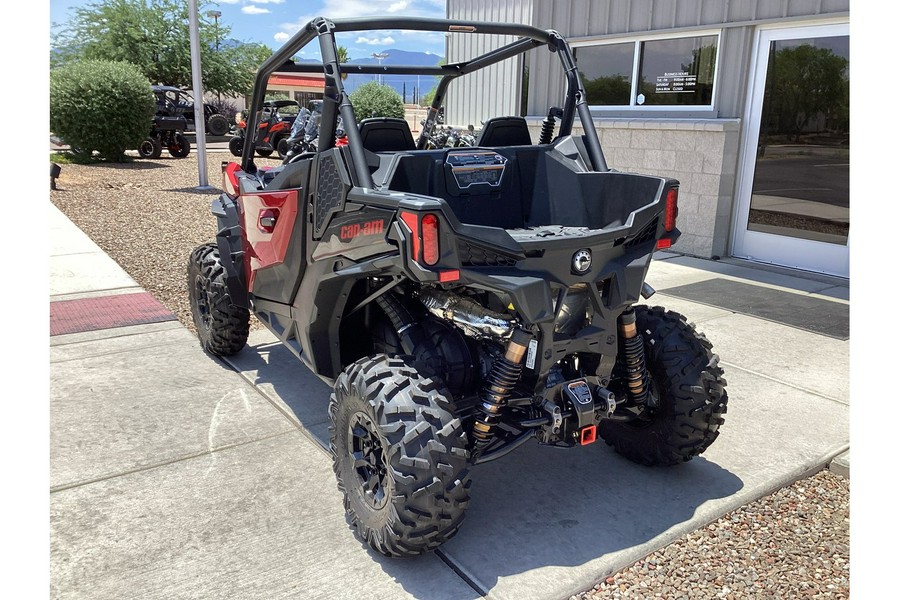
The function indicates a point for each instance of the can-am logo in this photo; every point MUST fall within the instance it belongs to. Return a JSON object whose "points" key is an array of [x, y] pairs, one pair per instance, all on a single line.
{"points": [[581, 261]]}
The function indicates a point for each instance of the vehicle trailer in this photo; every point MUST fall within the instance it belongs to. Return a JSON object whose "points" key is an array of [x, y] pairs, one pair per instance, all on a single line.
{"points": [[460, 301]]}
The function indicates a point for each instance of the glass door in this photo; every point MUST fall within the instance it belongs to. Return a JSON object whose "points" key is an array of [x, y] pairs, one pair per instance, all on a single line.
{"points": [[794, 190]]}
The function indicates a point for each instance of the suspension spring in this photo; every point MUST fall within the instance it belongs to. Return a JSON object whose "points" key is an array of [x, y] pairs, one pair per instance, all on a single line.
{"points": [[498, 387], [635, 365], [549, 124], [547, 127]]}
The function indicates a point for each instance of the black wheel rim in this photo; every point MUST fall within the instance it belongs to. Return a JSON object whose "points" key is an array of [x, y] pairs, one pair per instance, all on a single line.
{"points": [[146, 149], [203, 311], [367, 453]]}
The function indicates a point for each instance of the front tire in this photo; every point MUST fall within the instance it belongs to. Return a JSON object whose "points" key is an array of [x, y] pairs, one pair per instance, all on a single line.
{"points": [[150, 148], [236, 145], [687, 384], [283, 147], [222, 326], [399, 455], [179, 148]]}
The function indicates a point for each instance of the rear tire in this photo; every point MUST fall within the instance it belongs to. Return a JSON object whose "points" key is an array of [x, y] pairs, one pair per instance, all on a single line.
{"points": [[400, 456], [236, 145], [217, 125], [687, 381], [264, 153], [179, 148], [222, 326]]}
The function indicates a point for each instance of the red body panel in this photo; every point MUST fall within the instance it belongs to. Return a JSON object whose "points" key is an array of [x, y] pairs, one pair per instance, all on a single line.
{"points": [[264, 249]]}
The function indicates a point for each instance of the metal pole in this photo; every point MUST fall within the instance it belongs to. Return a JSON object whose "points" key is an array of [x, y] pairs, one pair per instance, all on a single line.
{"points": [[199, 122]]}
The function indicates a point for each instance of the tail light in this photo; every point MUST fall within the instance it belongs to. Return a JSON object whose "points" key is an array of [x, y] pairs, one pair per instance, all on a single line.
{"points": [[425, 239], [671, 208], [671, 216], [431, 251]]}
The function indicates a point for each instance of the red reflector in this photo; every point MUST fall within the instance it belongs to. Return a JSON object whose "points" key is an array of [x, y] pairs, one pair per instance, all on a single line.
{"points": [[588, 435], [671, 208], [412, 221], [663, 244], [445, 276], [431, 252]]}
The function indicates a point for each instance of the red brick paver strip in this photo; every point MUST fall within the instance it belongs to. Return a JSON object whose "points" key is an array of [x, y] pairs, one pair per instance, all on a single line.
{"points": [[106, 312]]}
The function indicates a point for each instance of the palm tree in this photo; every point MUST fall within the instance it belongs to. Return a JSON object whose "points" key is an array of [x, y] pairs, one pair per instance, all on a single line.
{"points": [[343, 57]]}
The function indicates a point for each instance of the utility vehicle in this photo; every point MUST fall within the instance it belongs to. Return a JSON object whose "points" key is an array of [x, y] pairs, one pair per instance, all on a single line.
{"points": [[175, 102], [274, 127], [461, 301], [168, 133]]}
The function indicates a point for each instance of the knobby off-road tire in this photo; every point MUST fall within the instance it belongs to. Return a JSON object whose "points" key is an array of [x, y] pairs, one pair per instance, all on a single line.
{"points": [[399, 456], [686, 378], [221, 326], [236, 145], [150, 148], [217, 125], [180, 147], [282, 147]]}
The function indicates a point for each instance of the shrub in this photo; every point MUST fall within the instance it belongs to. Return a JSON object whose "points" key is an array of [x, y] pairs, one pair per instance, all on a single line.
{"points": [[224, 107], [101, 105], [375, 100]]}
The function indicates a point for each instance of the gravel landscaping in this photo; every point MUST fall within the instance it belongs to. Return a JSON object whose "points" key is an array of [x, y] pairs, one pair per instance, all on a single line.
{"points": [[148, 216]]}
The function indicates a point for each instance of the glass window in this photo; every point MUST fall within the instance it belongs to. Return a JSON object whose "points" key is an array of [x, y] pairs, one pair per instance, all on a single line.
{"points": [[606, 73], [669, 72], [677, 72]]}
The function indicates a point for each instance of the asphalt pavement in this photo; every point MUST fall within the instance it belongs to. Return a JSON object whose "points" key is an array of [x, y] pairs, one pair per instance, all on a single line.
{"points": [[175, 474]]}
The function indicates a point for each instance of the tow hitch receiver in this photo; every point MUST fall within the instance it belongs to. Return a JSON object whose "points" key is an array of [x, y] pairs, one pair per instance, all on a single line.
{"points": [[588, 435]]}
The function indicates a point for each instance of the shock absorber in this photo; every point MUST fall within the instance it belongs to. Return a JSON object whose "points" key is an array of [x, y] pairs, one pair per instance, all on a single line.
{"points": [[501, 380], [633, 358], [549, 124]]}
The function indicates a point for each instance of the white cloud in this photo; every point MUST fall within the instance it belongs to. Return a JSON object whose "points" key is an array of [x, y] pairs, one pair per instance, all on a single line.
{"points": [[229, 1], [375, 41], [254, 10], [397, 6], [281, 37], [267, 1]]}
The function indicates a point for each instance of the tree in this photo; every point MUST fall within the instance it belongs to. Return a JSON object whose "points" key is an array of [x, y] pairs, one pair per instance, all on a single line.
{"points": [[376, 100], [806, 82], [100, 105], [154, 35]]}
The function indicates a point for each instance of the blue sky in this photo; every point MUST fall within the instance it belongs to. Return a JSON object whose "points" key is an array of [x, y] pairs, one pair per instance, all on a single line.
{"points": [[272, 22]]}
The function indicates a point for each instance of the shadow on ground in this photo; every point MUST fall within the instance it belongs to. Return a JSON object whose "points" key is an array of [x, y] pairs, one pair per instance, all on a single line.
{"points": [[537, 507]]}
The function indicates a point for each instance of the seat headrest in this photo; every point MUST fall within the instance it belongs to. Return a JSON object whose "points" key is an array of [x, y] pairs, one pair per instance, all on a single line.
{"points": [[386, 134]]}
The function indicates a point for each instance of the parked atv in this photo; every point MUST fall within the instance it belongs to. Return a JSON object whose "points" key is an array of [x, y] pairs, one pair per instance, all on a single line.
{"points": [[168, 133], [274, 129], [460, 301], [175, 102]]}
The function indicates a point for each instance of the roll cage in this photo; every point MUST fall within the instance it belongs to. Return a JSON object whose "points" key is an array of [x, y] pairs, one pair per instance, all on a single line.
{"points": [[336, 100]]}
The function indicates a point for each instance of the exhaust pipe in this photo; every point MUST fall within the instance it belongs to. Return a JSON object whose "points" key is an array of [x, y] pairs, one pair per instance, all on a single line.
{"points": [[468, 315]]}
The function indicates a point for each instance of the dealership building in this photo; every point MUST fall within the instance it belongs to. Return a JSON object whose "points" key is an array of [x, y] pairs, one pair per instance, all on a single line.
{"points": [[745, 103]]}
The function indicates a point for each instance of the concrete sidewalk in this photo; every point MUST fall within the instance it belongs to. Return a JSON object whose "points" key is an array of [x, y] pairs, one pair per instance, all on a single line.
{"points": [[176, 475]]}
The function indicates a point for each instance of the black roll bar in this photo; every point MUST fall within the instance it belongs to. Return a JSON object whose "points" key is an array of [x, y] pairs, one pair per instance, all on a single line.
{"points": [[336, 99]]}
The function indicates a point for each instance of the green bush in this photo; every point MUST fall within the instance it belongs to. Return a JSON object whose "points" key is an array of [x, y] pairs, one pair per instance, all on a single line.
{"points": [[101, 105], [375, 100]]}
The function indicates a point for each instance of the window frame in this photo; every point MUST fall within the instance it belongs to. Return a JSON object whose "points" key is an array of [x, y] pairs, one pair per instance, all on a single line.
{"points": [[637, 41]]}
